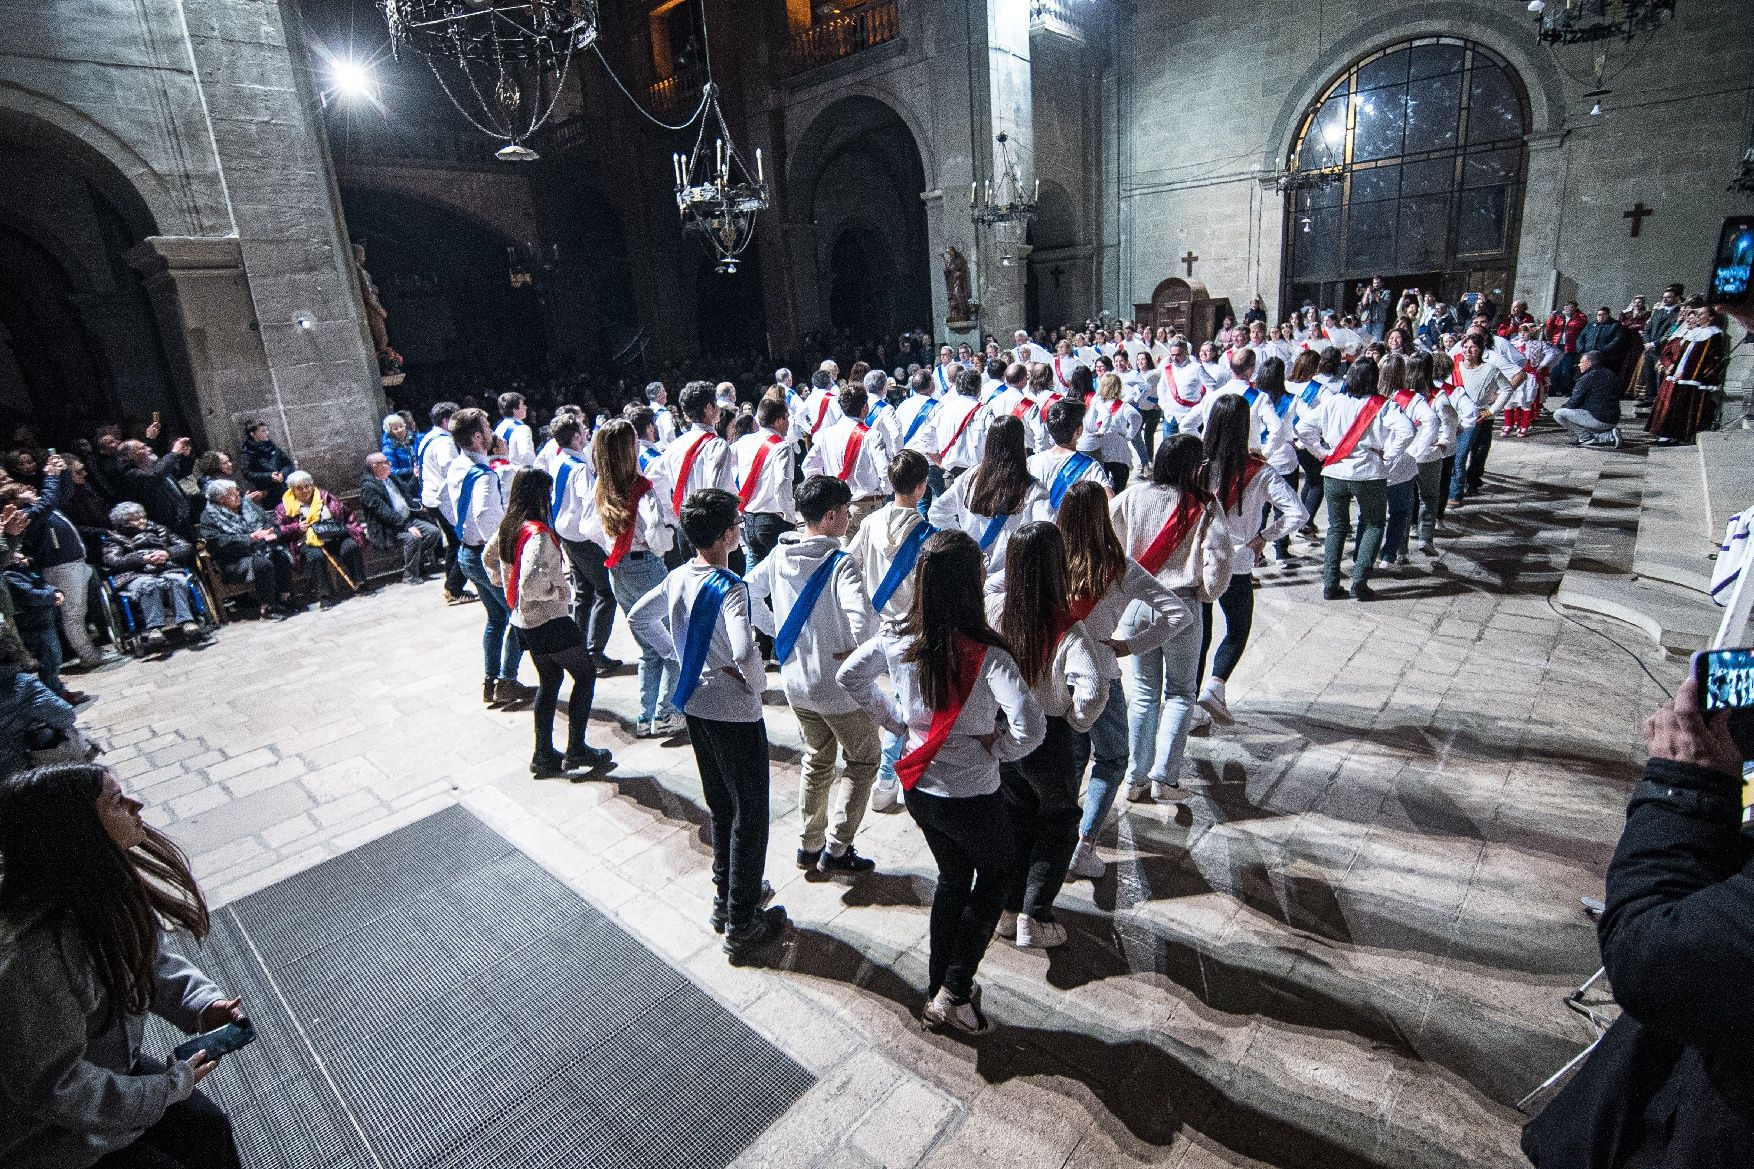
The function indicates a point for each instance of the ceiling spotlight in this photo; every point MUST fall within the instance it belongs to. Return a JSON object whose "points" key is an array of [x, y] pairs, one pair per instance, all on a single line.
{"points": [[1537, 6], [351, 79]]}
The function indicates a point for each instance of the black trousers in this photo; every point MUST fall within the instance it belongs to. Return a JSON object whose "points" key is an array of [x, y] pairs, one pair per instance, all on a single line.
{"points": [[971, 841], [761, 531], [453, 575], [593, 599], [268, 570], [732, 758], [1237, 603], [1117, 473], [347, 554], [1310, 490], [1477, 452], [1041, 795], [195, 1134], [1152, 419], [551, 670]]}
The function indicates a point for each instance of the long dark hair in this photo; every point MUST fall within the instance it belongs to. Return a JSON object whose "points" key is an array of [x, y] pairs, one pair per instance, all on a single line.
{"points": [[1095, 558], [1035, 596], [1419, 378], [1270, 378], [57, 854], [949, 599], [1227, 447], [1178, 461], [1083, 382], [1361, 378], [1002, 481], [1391, 374], [532, 488]]}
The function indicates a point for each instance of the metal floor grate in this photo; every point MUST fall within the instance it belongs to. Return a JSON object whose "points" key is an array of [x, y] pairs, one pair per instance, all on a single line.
{"points": [[455, 1006]]}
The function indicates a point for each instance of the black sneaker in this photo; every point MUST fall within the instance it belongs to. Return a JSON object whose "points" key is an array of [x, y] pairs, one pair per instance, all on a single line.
{"points": [[808, 858], [605, 664], [1363, 592], [1333, 593], [743, 940], [588, 759], [847, 862], [717, 918]]}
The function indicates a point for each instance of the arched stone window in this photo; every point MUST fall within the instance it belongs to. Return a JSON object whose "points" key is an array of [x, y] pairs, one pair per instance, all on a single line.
{"points": [[1427, 140]]}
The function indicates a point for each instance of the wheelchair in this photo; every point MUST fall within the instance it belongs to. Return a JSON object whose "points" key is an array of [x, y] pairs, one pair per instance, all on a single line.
{"points": [[121, 617]]}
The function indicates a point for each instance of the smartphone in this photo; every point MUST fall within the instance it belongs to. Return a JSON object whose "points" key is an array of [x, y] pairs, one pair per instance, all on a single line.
{"points": [[1726, 683], [218, 1042]]}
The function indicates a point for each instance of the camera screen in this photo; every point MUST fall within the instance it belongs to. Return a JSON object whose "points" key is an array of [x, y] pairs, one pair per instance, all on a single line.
{"points": [[1729, 679], [1734, 266]]}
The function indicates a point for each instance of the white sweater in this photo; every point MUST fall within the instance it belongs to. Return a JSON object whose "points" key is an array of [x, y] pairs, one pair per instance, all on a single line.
{"points": [[544, 591], [653, 527], [1289, 514], [950, 511], [1384, 441], [1155, 615], [733, 677], [1201, 564], [840, 621], [1073, 687], [874, 547]]}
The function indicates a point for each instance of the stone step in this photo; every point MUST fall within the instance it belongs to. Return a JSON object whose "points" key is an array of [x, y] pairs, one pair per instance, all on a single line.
{"points": [[1676, 538], [1680, 620]]}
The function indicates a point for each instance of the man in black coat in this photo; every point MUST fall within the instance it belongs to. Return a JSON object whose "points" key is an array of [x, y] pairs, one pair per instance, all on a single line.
{"points": [[1592, 414], [390, 521], [152, 483], [1672, 1083], [1606, 336]]}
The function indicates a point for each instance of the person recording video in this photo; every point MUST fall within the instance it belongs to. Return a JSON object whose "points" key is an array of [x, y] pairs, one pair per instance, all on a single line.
{"points": [[1672, 1082]]}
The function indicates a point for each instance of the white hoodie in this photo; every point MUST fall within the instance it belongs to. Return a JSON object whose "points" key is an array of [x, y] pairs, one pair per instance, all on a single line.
{"points": [[840, 621]]}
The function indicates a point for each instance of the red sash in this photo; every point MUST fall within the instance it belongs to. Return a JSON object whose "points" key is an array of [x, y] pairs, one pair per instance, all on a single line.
{"points": [[1403, 398], [688, 458], [747, 492], [1023, 407], [1057, 375], [1250, 469], [960, 427], [855, 444], [1355, 433], [821, 413], [1175, 391], [1179, 527], [510, 571], [624, 542], [969, 658]]}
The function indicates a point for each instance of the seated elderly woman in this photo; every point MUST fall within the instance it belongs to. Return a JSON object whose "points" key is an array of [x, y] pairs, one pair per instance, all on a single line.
{"points": [[150, 565], [323, 534], [242, 538]]}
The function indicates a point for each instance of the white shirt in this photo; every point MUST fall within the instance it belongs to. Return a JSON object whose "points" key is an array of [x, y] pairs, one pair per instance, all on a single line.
{"points": [[924, 434], [839, 622], [1109, 430], [868, 474], [1181, 387], [820, 411], [732, 678], [1289, 514], [486, 503], [1427, 430], [1029, 353], [963, 766], [1073, 686], [666, 423], [956, 413], [437, 449], [578, 500], [654, 526], [1045, 466], [520, 441], [712, 466], [874, 547], [951, 511], [1479, 390], [1387, 437], [773, 491]]}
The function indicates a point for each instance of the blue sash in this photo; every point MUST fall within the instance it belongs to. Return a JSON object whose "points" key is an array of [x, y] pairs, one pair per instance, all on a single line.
{"points": [[648, 456], [787, 638], [567, 466], [902, 566], [871, 418], [913, 427], [505, 428], [1311, 392], [943, 382], [1283, 406], [703, 617], [420, 449], [1249, 395], [1070, 472], [994, 527], [466, 496]]}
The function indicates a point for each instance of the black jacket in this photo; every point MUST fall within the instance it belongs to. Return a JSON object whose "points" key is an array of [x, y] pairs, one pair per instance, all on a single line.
{"points": [[155, 489], [261, 461], [381, 524], [1611, 339], [1597, 391], [1672, 1084], [125, 552]]}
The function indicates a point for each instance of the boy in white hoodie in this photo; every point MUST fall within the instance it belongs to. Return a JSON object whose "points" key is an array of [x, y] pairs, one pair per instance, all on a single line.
{"points": [[818, 612]]}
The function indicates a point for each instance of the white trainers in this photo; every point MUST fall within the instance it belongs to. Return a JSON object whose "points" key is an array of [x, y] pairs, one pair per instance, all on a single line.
{"points": [[1212, 701], [1007, 924], [1039, 935], [1085, 862], [1165, 789], [1137, 793], [885, 796], [965, 1016]]}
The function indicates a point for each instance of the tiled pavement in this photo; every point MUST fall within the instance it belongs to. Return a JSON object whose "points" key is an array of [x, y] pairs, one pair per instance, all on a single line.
{"points": [[1346, 945]]}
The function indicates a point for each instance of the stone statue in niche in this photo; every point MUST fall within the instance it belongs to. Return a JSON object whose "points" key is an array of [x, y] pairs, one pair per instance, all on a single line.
{"points": [[389, 361], [958, 291]]}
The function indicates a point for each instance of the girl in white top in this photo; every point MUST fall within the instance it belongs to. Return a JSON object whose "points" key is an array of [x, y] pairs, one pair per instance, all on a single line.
{"points": [[1524, 403], [993, 500], [1481, 387], [1110, 426], [1104, 586], [630, 518], [1308, 387], [965, 709], [1404, 470], [1272, 408], [1430, 411], [525, 560], [1171, 526], [1059, 661]]}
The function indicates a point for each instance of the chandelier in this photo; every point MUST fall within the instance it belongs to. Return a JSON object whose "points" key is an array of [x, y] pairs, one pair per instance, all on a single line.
{"points": [[1292, 180], [718, 196], [1573, 22], [1002, 201], [502, 63], [1743, 183]]}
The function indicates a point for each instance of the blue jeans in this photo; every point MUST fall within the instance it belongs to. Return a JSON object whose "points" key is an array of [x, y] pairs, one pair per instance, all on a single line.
{"points": [[1165, 683], [501, 651], [1459, 476], [892, 747], [1107, 742], [630, 580], [1394, 540]]}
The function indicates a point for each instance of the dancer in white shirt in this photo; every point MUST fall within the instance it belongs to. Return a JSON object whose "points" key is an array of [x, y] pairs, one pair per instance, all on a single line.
{"points": [[994, 500], [698, 458], [476, 503], [574, 481], [820, 408], [1062, 464], [856, 454], [658, 398], [519, 439], [764, 462], [1182, 385], [1143, 394], [434, 452], [1110, 426], [1481, 386], [954, 432]]}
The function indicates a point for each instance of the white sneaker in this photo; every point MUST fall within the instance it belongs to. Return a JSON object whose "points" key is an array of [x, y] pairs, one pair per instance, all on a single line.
{"points": [[1212, 701], [1085, 862], [1137, 793], [967, 1017], [1165, 789], [1039, 935], [670, 724], [1007, 924], [885, 796]]}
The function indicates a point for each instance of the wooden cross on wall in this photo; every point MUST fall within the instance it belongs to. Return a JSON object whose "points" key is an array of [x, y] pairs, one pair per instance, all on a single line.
{"points": [[1637, 214], [1190, 257]]}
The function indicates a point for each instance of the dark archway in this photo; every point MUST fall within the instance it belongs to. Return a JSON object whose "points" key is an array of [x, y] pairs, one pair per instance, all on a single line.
{"points": [[1424, 141], [856, 177], [457, 318], [79, 340]]}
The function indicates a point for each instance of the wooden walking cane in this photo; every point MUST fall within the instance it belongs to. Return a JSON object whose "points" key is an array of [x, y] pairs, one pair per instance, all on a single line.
{"points": [[336, 565]]}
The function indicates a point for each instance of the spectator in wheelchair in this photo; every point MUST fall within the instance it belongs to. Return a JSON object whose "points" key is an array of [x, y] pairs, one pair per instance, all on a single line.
{"points": [[150, 565], [390, 520], [244, 542], [324, 535]]}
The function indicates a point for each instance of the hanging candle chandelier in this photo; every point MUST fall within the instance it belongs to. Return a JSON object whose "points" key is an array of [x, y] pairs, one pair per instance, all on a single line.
{"points": [[502, 63], [1003, 200], [1573, 22], [717, 195]]}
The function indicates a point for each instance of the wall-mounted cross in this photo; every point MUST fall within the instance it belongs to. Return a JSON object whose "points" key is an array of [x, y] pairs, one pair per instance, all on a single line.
{"points": [[1637, 214], [1190, 258]]}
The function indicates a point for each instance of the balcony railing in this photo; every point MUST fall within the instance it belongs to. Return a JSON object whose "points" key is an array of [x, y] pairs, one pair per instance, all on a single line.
{"points": [[677, 95], [1057, 16], [874, 24]]}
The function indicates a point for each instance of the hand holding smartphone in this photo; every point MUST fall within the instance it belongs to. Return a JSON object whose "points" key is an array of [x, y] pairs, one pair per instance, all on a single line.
{"points": [[1725, 678], [220, 1041]]}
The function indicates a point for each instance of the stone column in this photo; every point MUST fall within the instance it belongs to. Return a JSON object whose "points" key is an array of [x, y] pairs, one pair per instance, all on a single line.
{"points": [[1002, 65]]}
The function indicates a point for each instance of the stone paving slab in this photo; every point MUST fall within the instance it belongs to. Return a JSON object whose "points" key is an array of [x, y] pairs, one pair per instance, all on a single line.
{"points": [[1345, 945]]}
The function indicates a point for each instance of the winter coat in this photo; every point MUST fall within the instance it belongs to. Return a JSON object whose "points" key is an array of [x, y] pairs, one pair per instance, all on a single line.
{"points": [[125, 552]]}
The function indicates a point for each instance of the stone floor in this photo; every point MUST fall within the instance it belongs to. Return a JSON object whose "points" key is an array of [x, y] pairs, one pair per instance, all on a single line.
{"points": [[1345, 946]]}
